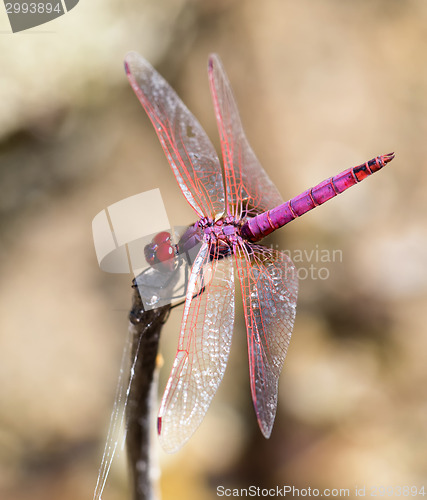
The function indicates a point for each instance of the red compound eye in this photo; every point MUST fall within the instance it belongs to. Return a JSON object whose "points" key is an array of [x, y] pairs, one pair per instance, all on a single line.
{"points": [[160, 252], [165, 257], [163, 237]]}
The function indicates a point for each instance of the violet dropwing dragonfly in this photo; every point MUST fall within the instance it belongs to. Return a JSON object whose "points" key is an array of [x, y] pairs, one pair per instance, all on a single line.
{"points": [[232, 217]]}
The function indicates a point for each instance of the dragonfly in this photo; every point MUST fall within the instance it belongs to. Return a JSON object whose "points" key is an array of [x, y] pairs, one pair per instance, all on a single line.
{"points": [[236, 207]]}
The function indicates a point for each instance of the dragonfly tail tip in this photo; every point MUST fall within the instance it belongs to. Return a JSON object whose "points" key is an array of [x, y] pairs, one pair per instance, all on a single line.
{"points": [[388, 157]]}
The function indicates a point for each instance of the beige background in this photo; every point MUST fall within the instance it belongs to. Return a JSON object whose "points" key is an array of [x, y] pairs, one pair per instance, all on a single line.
{"points": [[321, 86]]}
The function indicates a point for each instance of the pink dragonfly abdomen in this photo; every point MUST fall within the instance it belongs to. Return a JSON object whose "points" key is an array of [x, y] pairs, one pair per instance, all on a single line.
{"points": [[263, 224]]}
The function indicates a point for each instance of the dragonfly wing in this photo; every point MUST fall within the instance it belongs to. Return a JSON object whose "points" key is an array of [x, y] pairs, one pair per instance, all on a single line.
{"points": [[245, 177], [118, 414], [203, 349], [269, 285], [187, 147]]}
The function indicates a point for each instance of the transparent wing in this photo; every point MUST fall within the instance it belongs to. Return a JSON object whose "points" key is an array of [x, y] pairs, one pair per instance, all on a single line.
{"points": [[115, 432], [203, 349], [245, 177], [187, 147], [269, 289]]}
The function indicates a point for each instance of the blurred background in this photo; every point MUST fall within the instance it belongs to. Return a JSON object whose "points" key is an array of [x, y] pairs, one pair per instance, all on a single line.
{"points": [[321, 86]]}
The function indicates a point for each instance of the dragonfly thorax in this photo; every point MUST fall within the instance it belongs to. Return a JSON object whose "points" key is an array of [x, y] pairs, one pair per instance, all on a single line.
{"points": [[221, 234]]}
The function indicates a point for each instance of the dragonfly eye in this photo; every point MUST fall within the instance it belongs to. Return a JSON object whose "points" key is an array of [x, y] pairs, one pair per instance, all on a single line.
{"points": [[165, 257], [163, 237]]}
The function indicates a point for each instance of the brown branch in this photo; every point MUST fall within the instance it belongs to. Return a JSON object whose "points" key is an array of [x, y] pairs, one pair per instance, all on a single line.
{"points": [[146, 326]]}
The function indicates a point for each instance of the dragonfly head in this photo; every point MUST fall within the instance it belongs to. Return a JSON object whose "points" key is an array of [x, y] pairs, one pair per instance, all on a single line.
{"points": [[160, 252]]}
